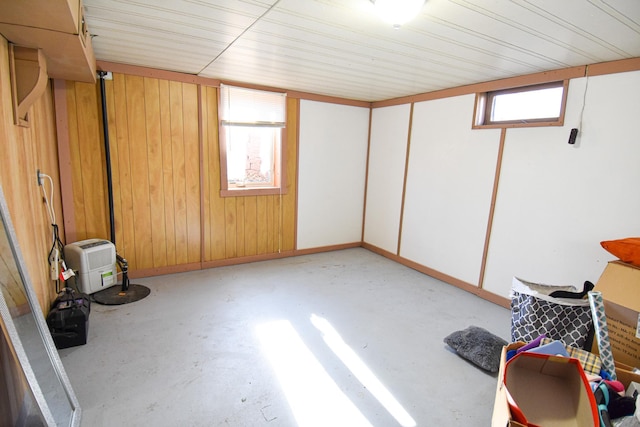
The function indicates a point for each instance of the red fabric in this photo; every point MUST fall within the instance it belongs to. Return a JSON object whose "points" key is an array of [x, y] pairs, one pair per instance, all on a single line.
{"points": [[627, 250]]}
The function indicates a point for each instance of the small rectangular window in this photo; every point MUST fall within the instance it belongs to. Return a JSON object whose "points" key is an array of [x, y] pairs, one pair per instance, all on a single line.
{"points": [[523, 106], [251, 123]]}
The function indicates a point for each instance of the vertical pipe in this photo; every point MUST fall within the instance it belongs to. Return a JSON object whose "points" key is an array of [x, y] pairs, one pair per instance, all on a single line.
{"points": [[107, 153]]}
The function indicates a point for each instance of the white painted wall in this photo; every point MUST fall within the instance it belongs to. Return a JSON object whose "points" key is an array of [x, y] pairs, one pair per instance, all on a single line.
{"points": [[449, 186], [557, 202], [332, 168], [387, 158]]}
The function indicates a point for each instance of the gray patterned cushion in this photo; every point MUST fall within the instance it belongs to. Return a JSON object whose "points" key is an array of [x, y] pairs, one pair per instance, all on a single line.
{"points": [[478, 346]]}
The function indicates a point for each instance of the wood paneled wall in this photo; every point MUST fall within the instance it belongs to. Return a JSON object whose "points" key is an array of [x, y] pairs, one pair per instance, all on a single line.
{"points": [[25, 150], [169, 215], [249, 225]]}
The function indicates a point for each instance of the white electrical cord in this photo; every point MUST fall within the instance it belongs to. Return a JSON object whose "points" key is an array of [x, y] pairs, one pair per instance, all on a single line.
{"points": [[54, 255], [584, 97], [50, 210]]}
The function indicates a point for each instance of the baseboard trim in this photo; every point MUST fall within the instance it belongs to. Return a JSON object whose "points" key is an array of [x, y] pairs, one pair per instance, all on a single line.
{"points": [[489, 296]]}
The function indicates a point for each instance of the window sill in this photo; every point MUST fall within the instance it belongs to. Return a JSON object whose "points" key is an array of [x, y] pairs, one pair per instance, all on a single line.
{"points": [[519, 124], [252, 191]]}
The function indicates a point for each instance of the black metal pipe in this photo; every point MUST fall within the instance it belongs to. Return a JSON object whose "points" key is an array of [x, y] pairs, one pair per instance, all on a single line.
{"points": [[107, 153]]}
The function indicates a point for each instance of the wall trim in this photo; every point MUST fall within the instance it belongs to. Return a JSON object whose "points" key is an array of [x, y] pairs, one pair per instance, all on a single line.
{"points": [[481, 293], [136, 70], [609, 67], [297, 179], [489, 296], [330, 248], [204, 265], [366, 177], [492, 208], [404, 179], [613, 67], [160, 271], [526, 80]]}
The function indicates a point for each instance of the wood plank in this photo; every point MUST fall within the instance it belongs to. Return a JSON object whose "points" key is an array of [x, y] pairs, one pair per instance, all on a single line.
{"points": [[240, 232], [273, 208], [274, 219], [230, 227], [76, 170], [115, 165], [33, 222], [44, 134], [250, 226], [192, 165], [290, 154], [217, 204], [156, 181], [92, 160], [123, 192], [64, 158], [261, 224], [205, 174], [179, 172], [139, 171], [167, 172], [46, 158]]}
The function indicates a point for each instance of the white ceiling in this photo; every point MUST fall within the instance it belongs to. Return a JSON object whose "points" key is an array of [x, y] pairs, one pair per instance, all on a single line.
{"points": [[341, 47]]}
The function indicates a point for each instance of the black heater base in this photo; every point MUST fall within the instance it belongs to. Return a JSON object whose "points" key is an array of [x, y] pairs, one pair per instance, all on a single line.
{"points": [[115, 295], [125, 294]]}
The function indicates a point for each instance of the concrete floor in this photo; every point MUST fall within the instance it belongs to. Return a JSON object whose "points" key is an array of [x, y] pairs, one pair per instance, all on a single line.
{"points": [[345, 338]]}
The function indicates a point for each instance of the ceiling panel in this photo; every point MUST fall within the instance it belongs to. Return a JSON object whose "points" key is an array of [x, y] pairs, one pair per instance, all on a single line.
{"points": [[341, 47]]}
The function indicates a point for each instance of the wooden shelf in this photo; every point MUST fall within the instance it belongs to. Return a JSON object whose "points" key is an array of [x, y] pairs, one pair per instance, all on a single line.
{"points": [[58, 28], [29, 79], [56, 15], [69, 56]]}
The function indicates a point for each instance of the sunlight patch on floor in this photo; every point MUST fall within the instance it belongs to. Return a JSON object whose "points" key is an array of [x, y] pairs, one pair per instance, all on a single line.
{"points": [[314, 397], [360, 370]]}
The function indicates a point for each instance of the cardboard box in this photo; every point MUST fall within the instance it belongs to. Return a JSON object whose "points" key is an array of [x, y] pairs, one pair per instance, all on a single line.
{"points": [[502, 416], [501, 413], [620, 288], [550, 394]]}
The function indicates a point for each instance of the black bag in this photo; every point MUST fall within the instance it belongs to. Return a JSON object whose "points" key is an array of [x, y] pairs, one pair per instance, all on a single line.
{"points": [[68, 319], [535, 312]]}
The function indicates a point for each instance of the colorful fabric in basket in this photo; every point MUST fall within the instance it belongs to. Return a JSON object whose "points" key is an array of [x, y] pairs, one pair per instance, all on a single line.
{"points": [[590, 362]]}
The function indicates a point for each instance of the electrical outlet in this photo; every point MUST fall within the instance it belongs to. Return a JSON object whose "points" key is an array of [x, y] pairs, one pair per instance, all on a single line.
{"points": [[55, 270], [106, 75]]}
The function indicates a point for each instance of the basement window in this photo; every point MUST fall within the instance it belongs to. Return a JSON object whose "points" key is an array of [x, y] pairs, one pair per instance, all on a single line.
{"points": [[537, 105], [252, 124]]}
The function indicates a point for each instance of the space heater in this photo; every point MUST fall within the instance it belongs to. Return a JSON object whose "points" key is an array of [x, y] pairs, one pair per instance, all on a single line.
{"points": [[94, 263]]}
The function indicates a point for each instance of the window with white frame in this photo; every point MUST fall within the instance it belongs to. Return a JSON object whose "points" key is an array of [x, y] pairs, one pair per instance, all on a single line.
{"points": [[252, 123], [528, 105]]}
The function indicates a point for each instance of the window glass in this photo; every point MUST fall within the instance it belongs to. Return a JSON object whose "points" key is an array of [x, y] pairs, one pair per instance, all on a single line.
{"points": [[252, 122], [522, 106], [251, 155], [527, 105]]}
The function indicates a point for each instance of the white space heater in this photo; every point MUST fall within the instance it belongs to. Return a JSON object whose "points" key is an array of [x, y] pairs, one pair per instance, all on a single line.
{"points": [[94, 262]]}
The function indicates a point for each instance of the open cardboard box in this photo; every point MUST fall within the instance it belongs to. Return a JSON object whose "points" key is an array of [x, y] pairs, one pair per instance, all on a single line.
{"points": [[620, 288], [549, 391], [502, 416]]}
